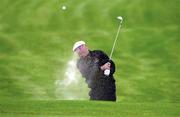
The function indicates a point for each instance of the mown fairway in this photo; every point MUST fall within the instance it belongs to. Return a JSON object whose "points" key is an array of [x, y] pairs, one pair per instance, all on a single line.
{"points": [[36, 39], [87, 109]]}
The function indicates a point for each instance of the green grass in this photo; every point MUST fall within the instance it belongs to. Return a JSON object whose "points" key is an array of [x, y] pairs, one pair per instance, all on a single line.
{"points": [[36, 39], [87, 109]]}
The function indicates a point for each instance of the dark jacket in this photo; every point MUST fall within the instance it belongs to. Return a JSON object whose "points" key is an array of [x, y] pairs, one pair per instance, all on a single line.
{"points": [[102, 87]]}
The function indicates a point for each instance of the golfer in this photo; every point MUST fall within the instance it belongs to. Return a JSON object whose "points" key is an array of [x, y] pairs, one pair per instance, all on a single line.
{"points": [[91, 65]]}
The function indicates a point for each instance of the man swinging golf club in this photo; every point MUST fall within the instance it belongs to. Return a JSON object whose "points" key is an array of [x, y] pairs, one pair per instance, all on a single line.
{"points": [[91, 65], [97, 69]]}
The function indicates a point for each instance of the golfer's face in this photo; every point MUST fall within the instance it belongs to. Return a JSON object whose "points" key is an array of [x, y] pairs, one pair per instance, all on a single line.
{"points": [[80, 50]]}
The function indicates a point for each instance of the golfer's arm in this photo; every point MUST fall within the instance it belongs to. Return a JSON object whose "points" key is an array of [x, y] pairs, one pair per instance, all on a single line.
{"points": [[112, 68]]}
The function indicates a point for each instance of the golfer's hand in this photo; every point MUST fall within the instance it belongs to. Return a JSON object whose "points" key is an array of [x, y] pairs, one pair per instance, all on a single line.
{"points": [[106, 66]]}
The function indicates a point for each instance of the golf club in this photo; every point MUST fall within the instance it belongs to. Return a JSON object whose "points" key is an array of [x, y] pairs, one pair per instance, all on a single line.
{"points": [[107, 71]]}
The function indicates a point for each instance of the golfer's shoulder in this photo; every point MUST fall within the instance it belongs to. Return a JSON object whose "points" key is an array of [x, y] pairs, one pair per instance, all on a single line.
{"points": [[99, 54]]}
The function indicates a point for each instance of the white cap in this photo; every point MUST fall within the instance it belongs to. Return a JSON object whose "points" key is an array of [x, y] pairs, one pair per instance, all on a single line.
{"points": [[77, 44]]}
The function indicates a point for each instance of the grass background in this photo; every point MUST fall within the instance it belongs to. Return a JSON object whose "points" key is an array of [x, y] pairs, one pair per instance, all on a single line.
{"points": [[36, 39]]}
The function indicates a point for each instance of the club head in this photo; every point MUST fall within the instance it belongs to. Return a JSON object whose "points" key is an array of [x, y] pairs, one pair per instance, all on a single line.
{"points": [[120, 18]]}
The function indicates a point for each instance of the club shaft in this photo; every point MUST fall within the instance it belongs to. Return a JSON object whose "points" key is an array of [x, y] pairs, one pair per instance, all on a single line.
{"points": [[115, 39]]}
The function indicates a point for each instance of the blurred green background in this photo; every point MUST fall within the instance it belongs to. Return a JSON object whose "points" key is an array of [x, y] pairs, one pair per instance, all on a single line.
{"points": [[36, 39]]}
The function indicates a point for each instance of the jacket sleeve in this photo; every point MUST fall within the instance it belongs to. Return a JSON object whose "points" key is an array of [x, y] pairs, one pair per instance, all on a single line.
{"points": [[113, 67], [103, 58]]}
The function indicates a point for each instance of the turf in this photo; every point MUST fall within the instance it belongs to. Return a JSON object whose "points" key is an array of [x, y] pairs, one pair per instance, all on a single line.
{"points": [[88, 109]]}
